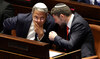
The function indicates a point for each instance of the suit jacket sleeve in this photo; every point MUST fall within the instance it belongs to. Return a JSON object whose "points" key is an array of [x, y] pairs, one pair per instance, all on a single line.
{"points": [[78, 32], [9, 24]]}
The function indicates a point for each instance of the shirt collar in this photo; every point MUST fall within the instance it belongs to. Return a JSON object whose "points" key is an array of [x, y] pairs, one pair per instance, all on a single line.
{"points": [[70, 21]]}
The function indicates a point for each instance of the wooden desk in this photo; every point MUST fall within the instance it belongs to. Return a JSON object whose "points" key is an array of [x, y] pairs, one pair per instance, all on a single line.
{"points": [[24, 46], [71, 55], [11, 55], [12, 47], [61, 55]]}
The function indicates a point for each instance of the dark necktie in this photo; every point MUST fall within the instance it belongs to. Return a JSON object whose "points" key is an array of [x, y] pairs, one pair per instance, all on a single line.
{"points": [[67, 32], [67, 28]]}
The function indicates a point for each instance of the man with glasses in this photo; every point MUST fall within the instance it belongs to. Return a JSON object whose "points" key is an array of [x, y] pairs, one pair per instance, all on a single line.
{"points": [[33, 26]]}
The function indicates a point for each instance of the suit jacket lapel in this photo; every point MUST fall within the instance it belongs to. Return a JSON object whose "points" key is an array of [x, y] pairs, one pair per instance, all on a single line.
{"points": [[27, 25], [75, 15]]}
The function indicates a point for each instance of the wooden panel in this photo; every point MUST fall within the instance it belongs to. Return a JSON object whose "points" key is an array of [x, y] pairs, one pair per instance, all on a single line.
{"points": [[21, 9], [24, 46], [92, 21], [11, 55]]}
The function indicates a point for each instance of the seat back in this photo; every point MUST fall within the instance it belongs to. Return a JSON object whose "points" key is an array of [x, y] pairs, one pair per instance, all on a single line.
{"points": [[96, 33]]}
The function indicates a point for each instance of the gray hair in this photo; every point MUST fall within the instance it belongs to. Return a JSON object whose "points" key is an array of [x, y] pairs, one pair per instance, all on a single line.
{"points": [[40, 7]]}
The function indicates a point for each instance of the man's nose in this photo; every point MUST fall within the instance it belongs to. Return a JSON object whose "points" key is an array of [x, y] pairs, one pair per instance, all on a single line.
{"points": [[39, 19]]}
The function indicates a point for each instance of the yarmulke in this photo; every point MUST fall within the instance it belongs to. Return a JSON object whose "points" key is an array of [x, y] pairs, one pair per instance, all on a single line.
{"points": [[57, 6], [40, 5]]}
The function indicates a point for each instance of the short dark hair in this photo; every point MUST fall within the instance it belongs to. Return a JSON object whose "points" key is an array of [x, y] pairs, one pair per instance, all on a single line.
{"points": [[61, 8]]}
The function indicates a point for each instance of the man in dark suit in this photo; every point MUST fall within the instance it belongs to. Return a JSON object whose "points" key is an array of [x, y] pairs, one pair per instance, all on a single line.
{"points": [[6, 11], [78, 33], [33, 26]]}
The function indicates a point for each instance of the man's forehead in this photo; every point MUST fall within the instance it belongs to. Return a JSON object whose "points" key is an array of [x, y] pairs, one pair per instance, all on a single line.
{"points": [[39, 14], [37, 11]]}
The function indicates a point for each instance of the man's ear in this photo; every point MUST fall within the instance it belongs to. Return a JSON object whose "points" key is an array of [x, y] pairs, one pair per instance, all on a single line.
{"points": [[61, 16]]}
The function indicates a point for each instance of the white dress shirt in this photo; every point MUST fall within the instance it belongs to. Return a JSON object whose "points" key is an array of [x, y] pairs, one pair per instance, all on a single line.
{"points": [[93, 1], [31, 32], [70, 22]]}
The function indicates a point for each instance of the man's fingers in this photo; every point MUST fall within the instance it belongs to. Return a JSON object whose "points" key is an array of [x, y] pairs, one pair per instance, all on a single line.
{"points": [[35, 24], [50, 33]]}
